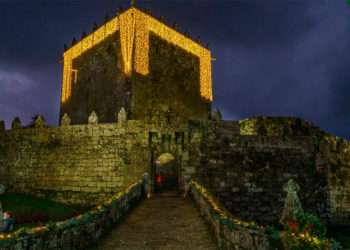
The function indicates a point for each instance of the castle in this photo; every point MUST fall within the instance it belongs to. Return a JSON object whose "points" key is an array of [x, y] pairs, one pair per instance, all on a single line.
{"points": [[136, 62], [135, 89]]}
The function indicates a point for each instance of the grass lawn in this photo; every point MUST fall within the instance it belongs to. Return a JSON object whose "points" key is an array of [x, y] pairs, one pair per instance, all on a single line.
{"points": [[29, 210]]}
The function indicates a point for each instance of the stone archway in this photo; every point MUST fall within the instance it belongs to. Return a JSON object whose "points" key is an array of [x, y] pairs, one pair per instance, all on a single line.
{"points": [[167, 166], [167, 148]]}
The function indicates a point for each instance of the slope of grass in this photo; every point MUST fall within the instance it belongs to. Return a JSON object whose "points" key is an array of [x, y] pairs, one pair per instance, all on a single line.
{"points": [[28, 209]]}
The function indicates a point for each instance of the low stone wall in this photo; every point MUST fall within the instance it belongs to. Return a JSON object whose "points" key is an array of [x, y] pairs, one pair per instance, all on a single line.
{"points": [[278, 126], [76, 233], [229, 232]]}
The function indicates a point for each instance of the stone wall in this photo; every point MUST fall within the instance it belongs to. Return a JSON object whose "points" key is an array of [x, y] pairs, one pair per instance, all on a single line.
{"points": [[171, 89], [278, 126], [245, 168], [99, 84], [80, 232], [247, 172], [229, 232], [173, 85], [334, 156], [75, 164], [82, 164]]}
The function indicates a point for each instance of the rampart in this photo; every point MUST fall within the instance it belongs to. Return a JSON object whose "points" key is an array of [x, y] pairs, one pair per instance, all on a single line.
{"points": [[245, 164], [80, 164]]}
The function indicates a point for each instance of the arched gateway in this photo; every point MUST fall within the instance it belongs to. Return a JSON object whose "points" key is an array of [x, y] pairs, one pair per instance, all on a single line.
{"points": [[166, 159]]}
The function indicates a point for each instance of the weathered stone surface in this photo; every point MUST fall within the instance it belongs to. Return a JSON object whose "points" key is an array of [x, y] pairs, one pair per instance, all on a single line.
{"points": [[65, 121], [93, 119], [39, 122], [172, 84], [79, 164], [122, 118], [122, 115], [247, 172], [84, 163], [233, 236]]}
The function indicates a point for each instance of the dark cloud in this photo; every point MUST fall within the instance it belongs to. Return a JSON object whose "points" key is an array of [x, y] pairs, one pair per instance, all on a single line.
{"points": [[274, 57], [28, 91], [300, 77]]}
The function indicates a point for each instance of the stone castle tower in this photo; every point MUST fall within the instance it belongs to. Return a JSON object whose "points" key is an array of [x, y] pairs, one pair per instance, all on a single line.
{"points": [[136, 62]]}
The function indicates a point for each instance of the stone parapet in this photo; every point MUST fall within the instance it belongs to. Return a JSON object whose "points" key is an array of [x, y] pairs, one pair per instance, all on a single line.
{"points": [[230, 233], [79, 232]]}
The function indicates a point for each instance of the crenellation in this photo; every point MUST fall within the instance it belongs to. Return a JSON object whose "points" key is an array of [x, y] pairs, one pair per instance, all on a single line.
{"points": [[16, 123], [65, 121], [39, 122]]}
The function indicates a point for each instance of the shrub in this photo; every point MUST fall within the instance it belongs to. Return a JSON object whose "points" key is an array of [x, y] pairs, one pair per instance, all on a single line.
{"points": [[307, 232]]}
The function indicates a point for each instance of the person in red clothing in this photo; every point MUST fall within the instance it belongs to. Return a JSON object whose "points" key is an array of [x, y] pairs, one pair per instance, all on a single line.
{"points": [[159, 181]]}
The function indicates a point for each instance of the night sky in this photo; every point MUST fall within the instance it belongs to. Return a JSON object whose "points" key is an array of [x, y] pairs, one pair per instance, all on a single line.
{"points": [[274, 57]]}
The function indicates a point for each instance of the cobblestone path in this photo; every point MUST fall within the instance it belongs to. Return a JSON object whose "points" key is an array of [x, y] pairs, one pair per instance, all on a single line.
{"points": [[166, 222]]}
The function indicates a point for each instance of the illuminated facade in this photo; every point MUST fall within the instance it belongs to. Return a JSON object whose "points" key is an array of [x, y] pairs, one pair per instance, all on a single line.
{"points": [[134, 29]]}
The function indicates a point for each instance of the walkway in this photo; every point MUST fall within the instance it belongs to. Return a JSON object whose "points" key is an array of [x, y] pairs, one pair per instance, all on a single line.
{"points": [[164, 222]]}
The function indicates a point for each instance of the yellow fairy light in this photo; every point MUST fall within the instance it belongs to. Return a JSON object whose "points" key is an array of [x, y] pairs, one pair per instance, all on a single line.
{"points": [[190, 46], [87, 43], [127, 35], [135, 27], [142, 45]]}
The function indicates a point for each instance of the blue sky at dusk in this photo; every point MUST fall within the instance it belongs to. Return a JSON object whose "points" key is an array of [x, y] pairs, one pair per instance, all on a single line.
{"points": [[273, 57]]}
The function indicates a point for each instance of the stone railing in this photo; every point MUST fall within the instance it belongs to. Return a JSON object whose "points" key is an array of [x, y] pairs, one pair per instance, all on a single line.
{"points": [[229, 232], [79, 232]]}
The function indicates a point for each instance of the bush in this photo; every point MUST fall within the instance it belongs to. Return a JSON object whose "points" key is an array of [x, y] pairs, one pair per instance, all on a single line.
{"points": [[309, 223], [307, 232]]}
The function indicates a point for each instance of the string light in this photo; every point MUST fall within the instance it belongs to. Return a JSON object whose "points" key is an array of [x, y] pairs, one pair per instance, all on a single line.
{"points": [[87, 43], [142, 45], [135, 27], [127, 35]]}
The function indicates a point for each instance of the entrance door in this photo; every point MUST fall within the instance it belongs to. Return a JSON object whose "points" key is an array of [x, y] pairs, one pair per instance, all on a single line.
{"points": [[166, 168]]}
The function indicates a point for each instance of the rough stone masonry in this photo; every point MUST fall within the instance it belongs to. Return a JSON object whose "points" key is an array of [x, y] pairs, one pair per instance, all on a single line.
{"points": [[157, 81]]}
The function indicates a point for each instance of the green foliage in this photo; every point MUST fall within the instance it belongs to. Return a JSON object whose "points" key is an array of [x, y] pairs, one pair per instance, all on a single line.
{"points": [[273, 233], [312, 224], [274, 236], [307, 233], [51, 225]]}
